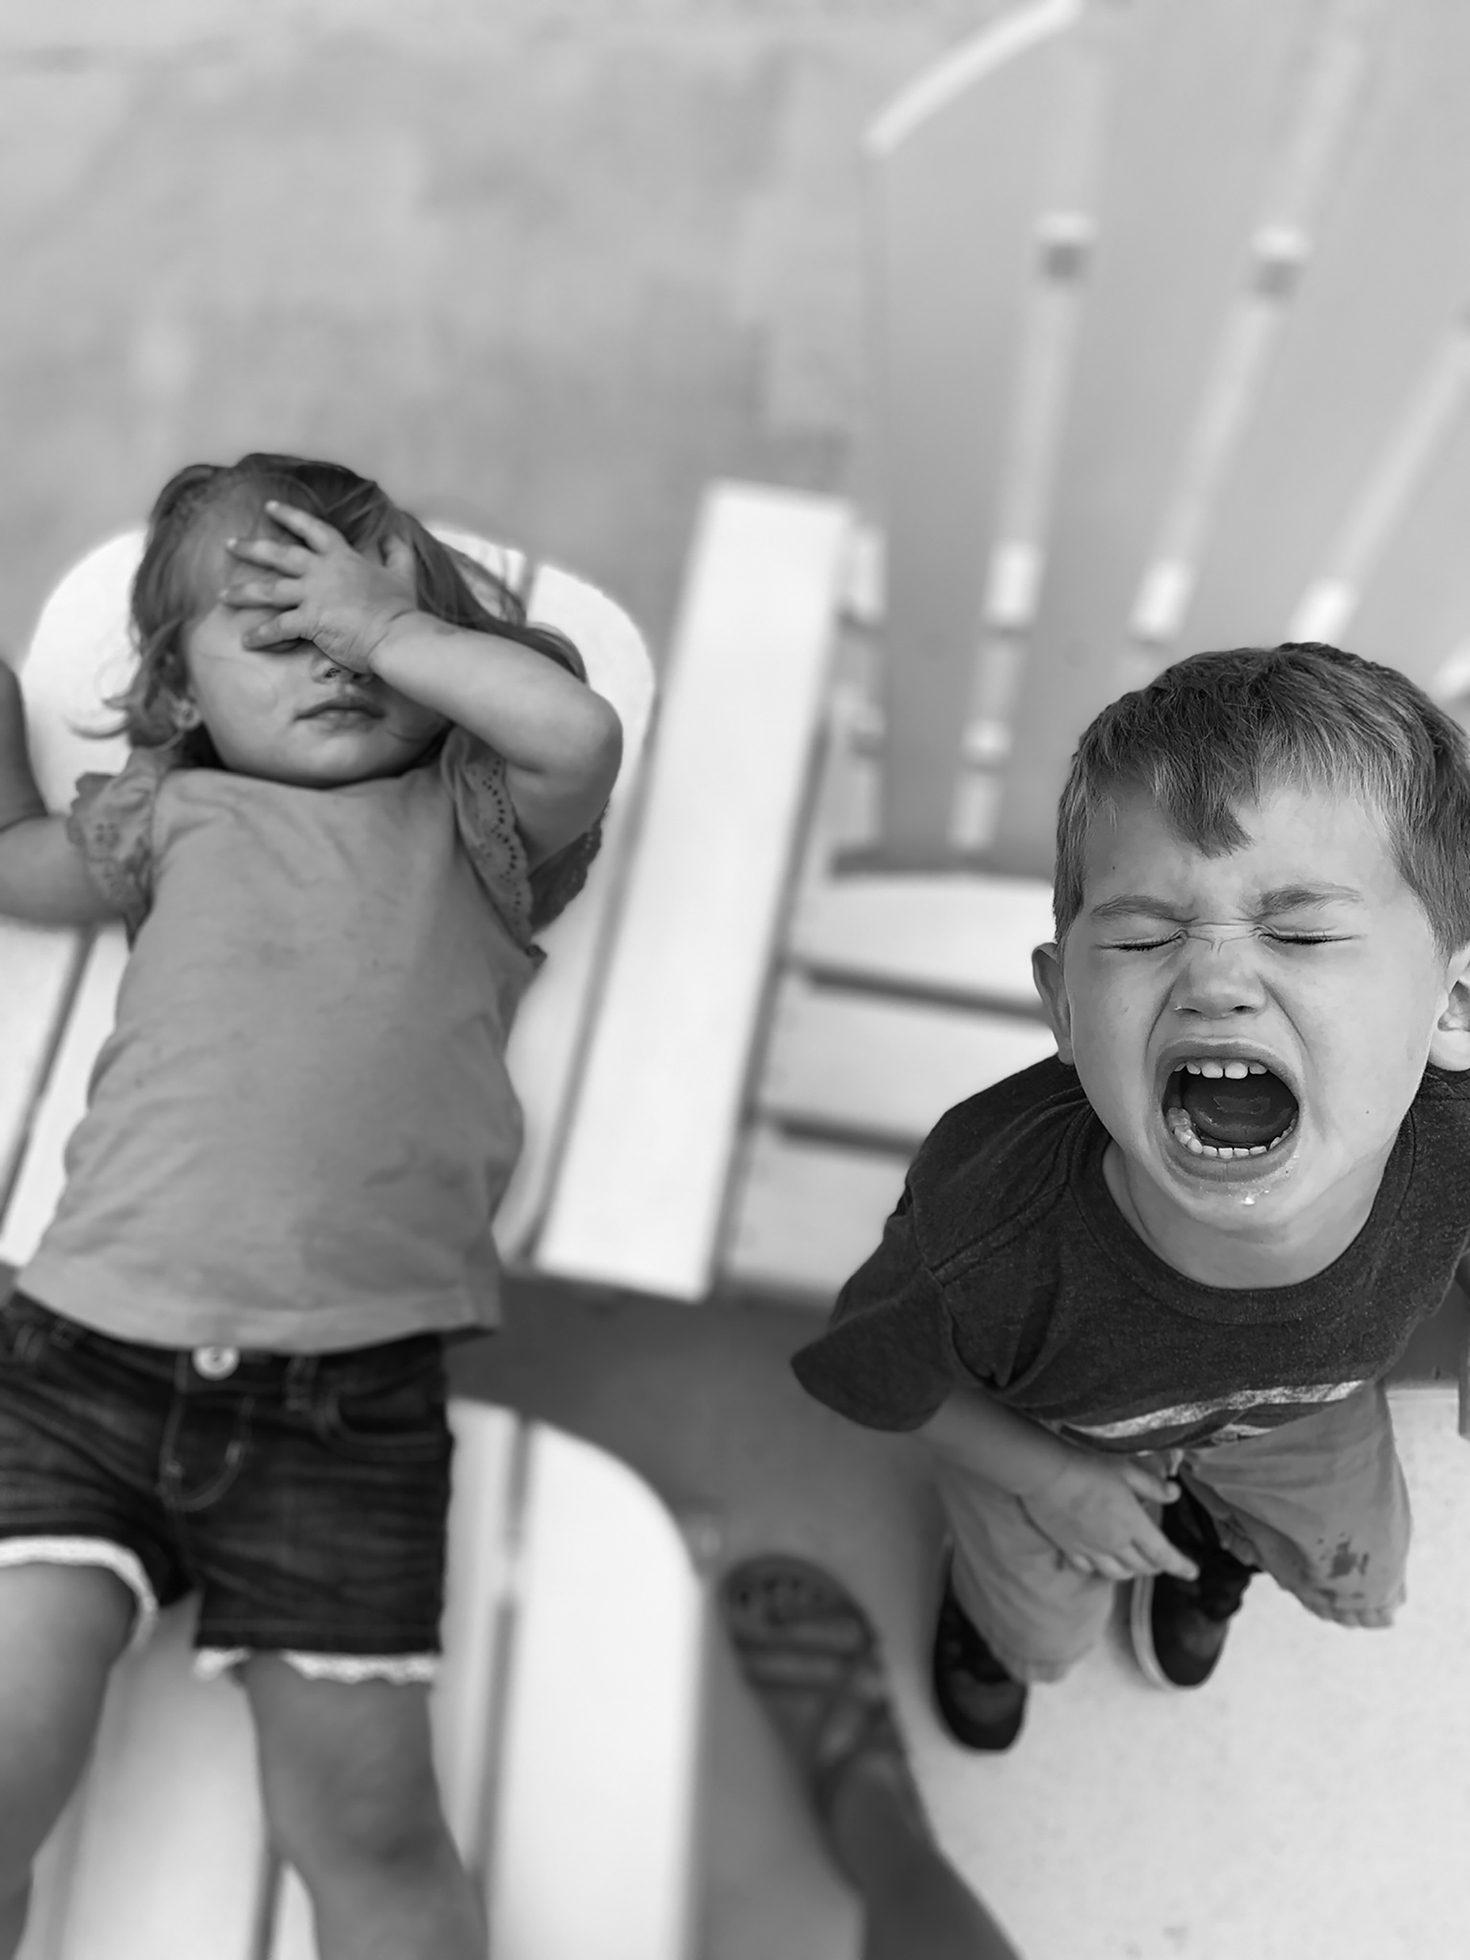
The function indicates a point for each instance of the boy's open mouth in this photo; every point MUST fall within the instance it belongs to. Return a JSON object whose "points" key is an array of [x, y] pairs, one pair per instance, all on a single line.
{"points": [[1228, 1109]]}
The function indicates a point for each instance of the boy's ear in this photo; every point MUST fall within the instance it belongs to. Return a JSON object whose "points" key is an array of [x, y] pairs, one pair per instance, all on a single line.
{"points": [[1046, 971], [1449, 1045]]}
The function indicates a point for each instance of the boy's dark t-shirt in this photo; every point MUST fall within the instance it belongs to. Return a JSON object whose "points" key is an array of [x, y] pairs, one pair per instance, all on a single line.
{"points": [[1008, 1265]]}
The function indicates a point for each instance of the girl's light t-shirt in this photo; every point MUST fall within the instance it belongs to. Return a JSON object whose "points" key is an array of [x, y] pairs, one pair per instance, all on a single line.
{"points": [[301, 1125]]}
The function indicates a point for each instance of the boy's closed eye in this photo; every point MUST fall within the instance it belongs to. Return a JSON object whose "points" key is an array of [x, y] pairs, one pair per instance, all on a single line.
{"points": [[1275, 935]]}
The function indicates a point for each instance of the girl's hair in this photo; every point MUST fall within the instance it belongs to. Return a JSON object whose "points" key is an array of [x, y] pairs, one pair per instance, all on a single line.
{"points": [[207, 501], [1213, 732]]}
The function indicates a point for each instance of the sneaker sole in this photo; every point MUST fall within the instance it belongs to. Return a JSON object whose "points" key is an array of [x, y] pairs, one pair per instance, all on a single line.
{"points": [[1141, 1631]]}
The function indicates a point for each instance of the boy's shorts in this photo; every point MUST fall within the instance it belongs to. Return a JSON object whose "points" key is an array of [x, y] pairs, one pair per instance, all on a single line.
{"points": [[1319, 1503], [303, 1497]]}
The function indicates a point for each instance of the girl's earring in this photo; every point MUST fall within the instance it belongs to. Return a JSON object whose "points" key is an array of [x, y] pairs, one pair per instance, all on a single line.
{"points": [[185, 713]]}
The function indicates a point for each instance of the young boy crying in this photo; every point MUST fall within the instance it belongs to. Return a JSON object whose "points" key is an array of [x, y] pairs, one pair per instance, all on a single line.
{"points": [[1139, 1301]]}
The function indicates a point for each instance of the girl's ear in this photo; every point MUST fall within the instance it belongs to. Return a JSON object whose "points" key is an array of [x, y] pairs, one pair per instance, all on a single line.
{"points": [[1449, 1045], [1046, 971], [183, 712]]}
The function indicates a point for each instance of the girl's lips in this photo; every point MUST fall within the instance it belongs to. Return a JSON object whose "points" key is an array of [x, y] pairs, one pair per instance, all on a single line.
{"points": [[354, 708]]}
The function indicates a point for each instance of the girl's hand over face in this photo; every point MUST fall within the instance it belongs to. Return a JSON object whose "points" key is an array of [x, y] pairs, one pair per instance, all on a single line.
{"points": [[320, 589], [1093, 1513]]}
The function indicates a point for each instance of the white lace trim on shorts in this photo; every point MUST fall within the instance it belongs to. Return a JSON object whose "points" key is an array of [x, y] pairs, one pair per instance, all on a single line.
{"points": [[402, 1669], [92, 1551]]}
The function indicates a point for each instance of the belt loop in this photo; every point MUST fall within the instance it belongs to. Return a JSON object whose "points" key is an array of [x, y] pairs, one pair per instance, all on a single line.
{"points": [[300, 1379]]}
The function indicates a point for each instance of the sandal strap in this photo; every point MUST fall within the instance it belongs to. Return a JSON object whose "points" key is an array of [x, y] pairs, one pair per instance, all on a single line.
{"points": [[831, 1652]]}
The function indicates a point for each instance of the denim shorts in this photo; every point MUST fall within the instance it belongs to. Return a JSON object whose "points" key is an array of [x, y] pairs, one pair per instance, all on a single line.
{"points": [[303, 1497]]}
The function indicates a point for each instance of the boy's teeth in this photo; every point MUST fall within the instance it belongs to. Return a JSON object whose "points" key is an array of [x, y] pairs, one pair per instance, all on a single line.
{"points": [[1237, 1071], [1183, 1131]]}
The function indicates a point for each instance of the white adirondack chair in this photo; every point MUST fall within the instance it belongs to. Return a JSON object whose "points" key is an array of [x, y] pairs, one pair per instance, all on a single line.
{"points": [[541, 1743], [1171, 352]]}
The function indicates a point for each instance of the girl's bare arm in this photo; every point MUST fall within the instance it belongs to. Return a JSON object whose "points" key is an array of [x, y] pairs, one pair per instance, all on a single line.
{"points": [[43, 877], [562, 742]]}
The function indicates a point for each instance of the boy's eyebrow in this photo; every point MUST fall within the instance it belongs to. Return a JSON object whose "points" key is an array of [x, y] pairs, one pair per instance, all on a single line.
{"points": [[1296, 898], [1133, 905], [1281, 898]]}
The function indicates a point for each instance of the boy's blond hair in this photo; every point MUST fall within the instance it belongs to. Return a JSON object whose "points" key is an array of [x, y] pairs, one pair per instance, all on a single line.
{"points": [[1213, 732]]}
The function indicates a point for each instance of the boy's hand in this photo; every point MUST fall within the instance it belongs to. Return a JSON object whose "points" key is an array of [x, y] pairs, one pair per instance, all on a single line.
{"points": [[320, 589], [1091, 1512]]}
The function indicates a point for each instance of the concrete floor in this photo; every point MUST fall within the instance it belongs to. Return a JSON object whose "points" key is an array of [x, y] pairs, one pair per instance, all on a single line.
{"points": [[544, 265]]}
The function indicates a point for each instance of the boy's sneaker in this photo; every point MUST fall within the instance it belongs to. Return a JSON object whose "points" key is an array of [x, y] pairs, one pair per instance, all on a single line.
{"points": [[1179, 1625], [980, 1704]]}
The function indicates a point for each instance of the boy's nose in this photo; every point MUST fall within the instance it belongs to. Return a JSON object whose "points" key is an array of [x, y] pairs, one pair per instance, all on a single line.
{"points": [[1219, 977]]}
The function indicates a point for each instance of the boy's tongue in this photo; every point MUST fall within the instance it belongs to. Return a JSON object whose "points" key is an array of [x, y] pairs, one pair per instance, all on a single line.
{"points": [[1224, 1110]]}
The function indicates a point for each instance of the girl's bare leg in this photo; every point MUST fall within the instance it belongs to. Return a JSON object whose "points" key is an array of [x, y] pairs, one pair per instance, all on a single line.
{"points": [[352, 1802], [61, 1629]]}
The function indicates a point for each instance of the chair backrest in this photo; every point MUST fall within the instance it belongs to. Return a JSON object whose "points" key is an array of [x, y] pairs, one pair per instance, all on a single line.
{"points": [[58, 997], [1172, 352]]}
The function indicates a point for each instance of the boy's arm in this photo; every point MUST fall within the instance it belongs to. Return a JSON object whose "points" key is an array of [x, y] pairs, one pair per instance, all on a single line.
{"points": [[1086, 1503], [43, 876]]}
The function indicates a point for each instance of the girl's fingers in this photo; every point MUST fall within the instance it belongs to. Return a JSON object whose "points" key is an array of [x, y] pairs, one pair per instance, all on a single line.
{"points": [[286, 629], [311, 529], [242, 594], [291, 558]]}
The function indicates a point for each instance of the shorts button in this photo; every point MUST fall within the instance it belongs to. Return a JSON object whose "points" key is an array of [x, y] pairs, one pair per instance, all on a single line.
{"points": [[216, 1362]]}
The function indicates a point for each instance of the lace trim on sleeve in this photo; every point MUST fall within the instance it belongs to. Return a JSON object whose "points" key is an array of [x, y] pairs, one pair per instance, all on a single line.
{"points": [[475, 776], [526, 899], [111, 824]]}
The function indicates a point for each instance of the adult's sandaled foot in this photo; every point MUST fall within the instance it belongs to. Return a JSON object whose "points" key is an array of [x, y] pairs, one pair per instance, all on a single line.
{"points": [[810, 1652], [981, 1705]]}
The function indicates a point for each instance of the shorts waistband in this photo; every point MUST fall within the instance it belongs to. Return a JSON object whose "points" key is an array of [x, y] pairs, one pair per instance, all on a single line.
{"points": [[221, 1365]]}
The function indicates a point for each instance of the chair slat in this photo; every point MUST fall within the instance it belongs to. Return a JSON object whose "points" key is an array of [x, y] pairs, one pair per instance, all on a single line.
{"points": [[546, 1041], [38, 1183], [641, 1188], [601, 1743], [885, 1069], [1415, 610], [955, 938], [1203, 99], [484, 1527], [1336, 69], [39, 967], [948, 311], [1387, 277], [806, 1215]]}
